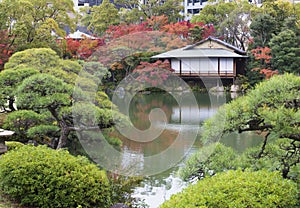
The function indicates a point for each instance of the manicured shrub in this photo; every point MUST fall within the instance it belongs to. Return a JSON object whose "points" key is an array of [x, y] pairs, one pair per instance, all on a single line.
{"points": [[42, 177], [239, 189], [13, 145]]}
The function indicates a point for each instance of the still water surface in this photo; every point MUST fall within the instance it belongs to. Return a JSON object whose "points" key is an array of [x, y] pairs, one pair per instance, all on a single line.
{"points": [[187, 116]]}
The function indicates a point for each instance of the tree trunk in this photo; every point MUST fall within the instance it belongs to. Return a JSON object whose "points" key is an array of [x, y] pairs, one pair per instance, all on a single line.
{"points": [[63, 135], [11, 104], [64, 129], [263, 146]]}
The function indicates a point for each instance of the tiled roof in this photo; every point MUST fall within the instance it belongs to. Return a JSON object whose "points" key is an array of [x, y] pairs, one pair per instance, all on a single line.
{"points": [[191, 51], [237, 50], [197, 52]]}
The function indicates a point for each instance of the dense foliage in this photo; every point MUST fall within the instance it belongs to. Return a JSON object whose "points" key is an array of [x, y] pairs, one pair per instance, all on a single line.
{"points": [[37, 176], [48, 103], [99, 18], [208, 161], [239, 189], [286, 51], [29, 23], [48, 100], [271, 108], [150, 8], [216, 158]]}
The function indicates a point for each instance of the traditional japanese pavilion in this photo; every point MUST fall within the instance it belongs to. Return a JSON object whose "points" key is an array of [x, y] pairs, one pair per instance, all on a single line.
{"points": [[211, 57]]}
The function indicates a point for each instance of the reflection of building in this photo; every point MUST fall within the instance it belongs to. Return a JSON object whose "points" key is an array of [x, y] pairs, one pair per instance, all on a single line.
{"points": [[192, 114], [208, 58]]}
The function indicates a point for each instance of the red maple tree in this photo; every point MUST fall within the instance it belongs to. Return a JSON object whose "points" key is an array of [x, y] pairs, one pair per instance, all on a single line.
{"points": [[157, 22], [117, 31], [6, 47], [192, 31], [263, 55], [139, 42], [153, 73], [82, 49]]}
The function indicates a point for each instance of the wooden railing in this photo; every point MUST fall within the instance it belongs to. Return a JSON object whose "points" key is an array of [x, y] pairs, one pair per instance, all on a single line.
{"points": [[206, 74]]}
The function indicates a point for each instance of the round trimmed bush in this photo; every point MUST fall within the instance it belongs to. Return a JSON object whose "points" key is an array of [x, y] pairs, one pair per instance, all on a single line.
{"points": [[43, 177], [239, 189]]}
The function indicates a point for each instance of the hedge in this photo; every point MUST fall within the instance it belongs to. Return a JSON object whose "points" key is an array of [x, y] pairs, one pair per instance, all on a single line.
{"points": [[42, 177], [238, 189]]}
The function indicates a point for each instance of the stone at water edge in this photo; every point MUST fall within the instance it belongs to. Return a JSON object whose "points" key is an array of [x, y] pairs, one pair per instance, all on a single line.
{"points": [[234, 88]]}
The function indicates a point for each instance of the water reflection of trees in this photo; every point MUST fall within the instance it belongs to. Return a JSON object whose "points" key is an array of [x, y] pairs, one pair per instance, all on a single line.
{"points": [[156, 146], [141, 106]]}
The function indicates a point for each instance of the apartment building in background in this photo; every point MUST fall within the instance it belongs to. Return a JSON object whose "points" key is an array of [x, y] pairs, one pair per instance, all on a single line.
{"points": [[81, 3], [191, 7]]}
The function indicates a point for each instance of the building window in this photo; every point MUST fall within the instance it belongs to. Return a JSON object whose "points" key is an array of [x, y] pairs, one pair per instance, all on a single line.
{"points": [[193, 11], [196, 11]]}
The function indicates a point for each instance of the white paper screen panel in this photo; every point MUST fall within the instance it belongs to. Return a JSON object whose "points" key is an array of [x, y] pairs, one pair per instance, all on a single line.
{"points": [[226, 65], [175, 64], [186, 65], [195, 64], [213, 65], [208, 65], [203, 65]]}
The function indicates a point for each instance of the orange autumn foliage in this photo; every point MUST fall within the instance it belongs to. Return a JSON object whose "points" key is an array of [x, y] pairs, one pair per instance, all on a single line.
{"points": [[263, 55]]}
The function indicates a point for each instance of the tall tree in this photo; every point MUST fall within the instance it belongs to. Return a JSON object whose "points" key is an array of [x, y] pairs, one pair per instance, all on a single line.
{"points": [[6, 47], [215, 13], [99, 18], [131, 16], [30, 23], [262, 27], [280, 10], [48, 88], [285, 50], [169, 8], [272, 18], [230, 19]]}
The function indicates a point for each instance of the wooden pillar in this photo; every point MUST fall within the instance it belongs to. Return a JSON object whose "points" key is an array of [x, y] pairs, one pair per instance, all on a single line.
{"points": [[234, 67], [218, 66], [180, 67]]}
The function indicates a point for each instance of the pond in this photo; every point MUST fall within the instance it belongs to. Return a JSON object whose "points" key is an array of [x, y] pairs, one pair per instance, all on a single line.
{"points": [[185, 117]]}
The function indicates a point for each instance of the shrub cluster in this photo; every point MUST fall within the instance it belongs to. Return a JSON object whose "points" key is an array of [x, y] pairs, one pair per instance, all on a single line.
{"points": [[42, 177], [239, 189]]}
